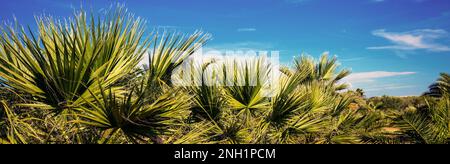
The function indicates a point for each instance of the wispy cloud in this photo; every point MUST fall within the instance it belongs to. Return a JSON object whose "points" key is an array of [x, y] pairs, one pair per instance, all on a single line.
{"points": [[377, 83], [388, 87], [246, 29], [364, 77], [351, 59], [421, 39]]}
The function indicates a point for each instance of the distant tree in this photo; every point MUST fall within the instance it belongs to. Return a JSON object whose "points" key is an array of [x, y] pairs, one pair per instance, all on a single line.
{"points": [[360, 92], [389, 102]]}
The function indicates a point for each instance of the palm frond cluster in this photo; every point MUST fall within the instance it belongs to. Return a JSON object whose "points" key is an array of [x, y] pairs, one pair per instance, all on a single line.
{"points": [[79, 81]]}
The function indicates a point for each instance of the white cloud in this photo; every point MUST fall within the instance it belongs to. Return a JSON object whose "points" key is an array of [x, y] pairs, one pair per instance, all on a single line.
{"points": [[388, 87], [364, 77], [421, 39], [351, 59], [246, 29]]}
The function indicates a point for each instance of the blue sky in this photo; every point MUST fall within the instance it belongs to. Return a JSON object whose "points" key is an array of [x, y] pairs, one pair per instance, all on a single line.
{"points": [[393, 47]]}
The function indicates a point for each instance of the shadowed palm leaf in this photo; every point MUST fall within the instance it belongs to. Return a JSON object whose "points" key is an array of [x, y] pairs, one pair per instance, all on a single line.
{"points": [[429, 125], [135, 115]]}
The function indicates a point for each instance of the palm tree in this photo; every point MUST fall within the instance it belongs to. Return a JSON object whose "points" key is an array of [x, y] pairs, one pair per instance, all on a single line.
{"points": [[325, 70], [85, 70], [441, 86], [80, 65], [134, 114], [59, 64], [170, 52], [296, 110], [430, 124], [248, 83]]}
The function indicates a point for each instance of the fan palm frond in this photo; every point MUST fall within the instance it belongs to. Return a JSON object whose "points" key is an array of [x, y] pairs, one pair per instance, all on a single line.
{"points": [[429, 125], [169, 52], [444, 83], [246, 92], [418, 126], [230, 129], [137, 117], [441, 87], [58, 64], [325, 70]]}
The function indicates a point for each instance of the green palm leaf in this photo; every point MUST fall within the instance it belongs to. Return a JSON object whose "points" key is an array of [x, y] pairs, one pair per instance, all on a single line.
{"points": [[58, 64], [136, 116]]}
